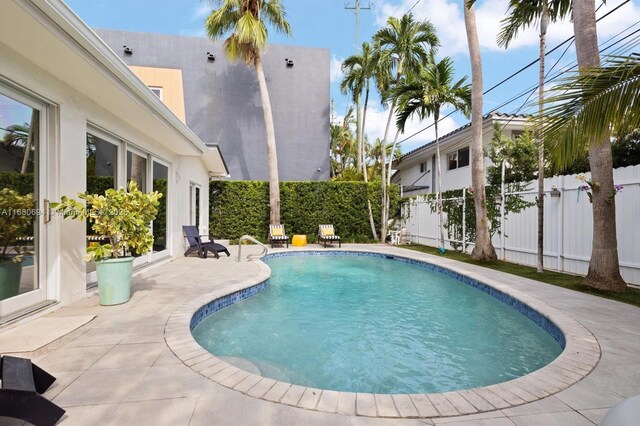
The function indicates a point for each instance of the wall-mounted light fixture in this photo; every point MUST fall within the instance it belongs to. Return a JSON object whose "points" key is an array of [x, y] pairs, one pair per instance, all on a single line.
{"points": [[210, 57], [128, 50], [289, 62]]}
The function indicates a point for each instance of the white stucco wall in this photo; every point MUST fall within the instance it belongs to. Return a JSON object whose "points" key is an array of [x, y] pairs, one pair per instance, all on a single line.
{"points": [[409, 169], [69, 113]]}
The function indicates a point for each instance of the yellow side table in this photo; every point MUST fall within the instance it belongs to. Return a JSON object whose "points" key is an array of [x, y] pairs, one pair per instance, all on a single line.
{"points": [[299, 241]]}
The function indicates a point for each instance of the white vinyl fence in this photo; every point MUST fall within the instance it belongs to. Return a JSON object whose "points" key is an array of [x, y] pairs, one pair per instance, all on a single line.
{"points": [[568, 226]]}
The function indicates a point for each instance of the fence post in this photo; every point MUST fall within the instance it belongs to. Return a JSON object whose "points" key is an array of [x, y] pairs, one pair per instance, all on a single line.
{"points": [[561, 226], [502, 238], [464, 219]]}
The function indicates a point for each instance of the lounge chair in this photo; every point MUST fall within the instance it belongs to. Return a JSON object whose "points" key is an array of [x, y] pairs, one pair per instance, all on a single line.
{"points": [[196, 244], [277, 235], [23, 384], [327, 233]]}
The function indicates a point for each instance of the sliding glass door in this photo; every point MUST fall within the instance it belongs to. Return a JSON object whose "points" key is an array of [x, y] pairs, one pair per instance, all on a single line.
{"points": [[22, 202], [160, 183]]}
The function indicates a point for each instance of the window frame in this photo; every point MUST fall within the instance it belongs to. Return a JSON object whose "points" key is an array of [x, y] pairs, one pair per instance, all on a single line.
{"points": [[159, 89], [457, 159]]}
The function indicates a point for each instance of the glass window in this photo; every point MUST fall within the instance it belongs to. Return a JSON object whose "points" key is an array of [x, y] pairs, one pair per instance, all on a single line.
{"points": [[160, 184], [19, 159], [423, 167], [102, 164], [453, 161], [157, 91], [137, 170], [463, 157]]}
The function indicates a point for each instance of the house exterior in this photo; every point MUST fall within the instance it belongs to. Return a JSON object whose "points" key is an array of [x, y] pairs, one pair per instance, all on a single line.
{"points": [[416, 170], [74, 117], [220, 101]]}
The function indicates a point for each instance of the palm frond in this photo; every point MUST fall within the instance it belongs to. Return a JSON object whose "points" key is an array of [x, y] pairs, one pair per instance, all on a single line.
{"points": [[590, 105]]}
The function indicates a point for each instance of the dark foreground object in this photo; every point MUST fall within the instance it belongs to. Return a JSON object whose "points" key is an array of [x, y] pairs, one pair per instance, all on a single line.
{"points": [[196, 244], [20, 395]]}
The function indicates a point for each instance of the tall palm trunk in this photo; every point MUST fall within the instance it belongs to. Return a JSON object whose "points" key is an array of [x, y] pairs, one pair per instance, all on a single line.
{"points": [[365, 174], [383, 167], [436, 117], [31, 138], [544, 23], [359, 133], [483, 249], [272, 158], [393, 150], [604, 266]]}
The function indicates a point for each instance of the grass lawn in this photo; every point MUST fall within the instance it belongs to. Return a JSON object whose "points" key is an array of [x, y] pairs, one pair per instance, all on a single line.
{"points": [[573, 282]]}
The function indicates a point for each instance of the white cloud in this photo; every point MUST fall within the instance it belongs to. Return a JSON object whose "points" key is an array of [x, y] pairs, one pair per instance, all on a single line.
{"points": [[201, 11], [377, 122], [447, 17], [336, 69]]}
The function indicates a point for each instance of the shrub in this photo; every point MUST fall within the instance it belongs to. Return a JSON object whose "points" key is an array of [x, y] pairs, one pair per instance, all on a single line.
{"points": [[242, 207]]}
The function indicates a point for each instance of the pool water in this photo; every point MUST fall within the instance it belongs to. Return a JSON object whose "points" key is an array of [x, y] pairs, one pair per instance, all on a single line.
{"points": [[370, 324]]}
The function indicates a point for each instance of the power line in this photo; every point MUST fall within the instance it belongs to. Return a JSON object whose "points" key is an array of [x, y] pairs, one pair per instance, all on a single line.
{"points": [[529, 65], [414, 6]]}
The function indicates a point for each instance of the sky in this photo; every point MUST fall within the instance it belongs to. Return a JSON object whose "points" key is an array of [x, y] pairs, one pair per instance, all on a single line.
{"points": [[328, 24]]}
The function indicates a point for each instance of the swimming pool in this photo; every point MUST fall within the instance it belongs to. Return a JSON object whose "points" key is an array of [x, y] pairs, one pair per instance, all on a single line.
{"points": [[366, 323]]}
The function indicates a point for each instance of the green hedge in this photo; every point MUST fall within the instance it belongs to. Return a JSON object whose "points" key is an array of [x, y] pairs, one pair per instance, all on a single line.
{"points": [[242, 207], [21, 183]]}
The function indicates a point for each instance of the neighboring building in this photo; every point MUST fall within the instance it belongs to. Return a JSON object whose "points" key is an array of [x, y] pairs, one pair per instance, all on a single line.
{"points": [[220, 101], [416, 170], [91, 119]]}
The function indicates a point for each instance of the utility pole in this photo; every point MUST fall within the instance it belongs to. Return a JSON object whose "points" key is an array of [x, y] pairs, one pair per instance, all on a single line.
{"points": [[356, 9]]}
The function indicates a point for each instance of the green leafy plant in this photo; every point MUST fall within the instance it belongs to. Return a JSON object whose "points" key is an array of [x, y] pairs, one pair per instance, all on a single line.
{"points": [[242, 207], [123, 216], [16, 217]]}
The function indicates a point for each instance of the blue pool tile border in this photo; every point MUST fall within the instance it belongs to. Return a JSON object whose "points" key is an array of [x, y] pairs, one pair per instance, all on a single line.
{"points": [[541, 320], [222, 302]]}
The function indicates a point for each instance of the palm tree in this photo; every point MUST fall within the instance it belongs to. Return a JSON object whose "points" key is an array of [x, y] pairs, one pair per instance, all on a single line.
{"points": [[23, 136], [592, 103], [604, 266], [245, 21], [523, 14], [483, 249], [353, 82], [425, 95], [405, 45], [359, 71], [341, 144]]}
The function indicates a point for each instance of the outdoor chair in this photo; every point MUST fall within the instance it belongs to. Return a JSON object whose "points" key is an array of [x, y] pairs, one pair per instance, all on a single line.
{"points": [[196, 244], [277, 235], [23, 384], [326, 233]]}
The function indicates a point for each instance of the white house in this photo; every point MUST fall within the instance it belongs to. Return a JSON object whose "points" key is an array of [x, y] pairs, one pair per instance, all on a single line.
{"points": [[416, 170], [89, 118]]}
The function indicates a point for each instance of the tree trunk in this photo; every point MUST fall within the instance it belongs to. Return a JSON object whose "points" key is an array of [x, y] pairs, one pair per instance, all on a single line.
{"points": [[604, 267], [393, 150], [358, 164], [544, 23], [383, 167], [362, 133], [365, 174], [436, 117], [272, 157], [34, 129], [483, 249]]}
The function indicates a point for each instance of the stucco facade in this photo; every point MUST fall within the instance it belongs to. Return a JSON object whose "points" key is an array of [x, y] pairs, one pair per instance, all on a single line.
{"points": [[222, 101], [54, 67], [416, 170]]}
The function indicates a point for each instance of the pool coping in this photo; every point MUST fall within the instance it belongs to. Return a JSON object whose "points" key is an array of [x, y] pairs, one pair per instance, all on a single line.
{"points": [[579, 357]]}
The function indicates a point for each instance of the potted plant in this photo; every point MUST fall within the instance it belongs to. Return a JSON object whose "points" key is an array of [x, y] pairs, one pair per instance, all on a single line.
{"points": [[123, 217], [16, 217]]}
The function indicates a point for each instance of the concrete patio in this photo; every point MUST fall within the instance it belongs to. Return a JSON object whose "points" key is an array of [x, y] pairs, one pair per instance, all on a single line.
{"points": [[118, 370]]}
